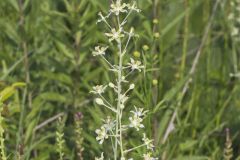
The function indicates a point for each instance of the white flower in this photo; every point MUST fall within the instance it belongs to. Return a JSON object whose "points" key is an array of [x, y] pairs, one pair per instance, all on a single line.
{"points": [[118, 7], [102, 18], [139, 112], [101, 158], [147, 142], [99, 101], [135, 65], [109, 124], [149, 157], [98, 89], [115, 35], [101, 134], [137, 118], [135, 122], [99, 51], [123, 98], [133, 7]]}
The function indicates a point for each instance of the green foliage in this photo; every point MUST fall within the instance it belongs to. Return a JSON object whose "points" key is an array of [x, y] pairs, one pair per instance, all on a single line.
{"points": [[47, 44]]}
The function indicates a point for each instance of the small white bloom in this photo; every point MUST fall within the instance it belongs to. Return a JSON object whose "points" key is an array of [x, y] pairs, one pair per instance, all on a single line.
{"points": [[109, 124], [99, 101], [149, 157], [139, 112], [98, 89], [136, 122], [118, 7], [101, 158], [135, 65], [99, 51], [102, 18], [101, 134], [147, 142], [137, 118], [123, 98], [115, 35], [133, 7]]}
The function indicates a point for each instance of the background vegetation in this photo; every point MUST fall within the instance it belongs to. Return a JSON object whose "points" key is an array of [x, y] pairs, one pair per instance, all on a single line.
{"points": [[47, 44]]}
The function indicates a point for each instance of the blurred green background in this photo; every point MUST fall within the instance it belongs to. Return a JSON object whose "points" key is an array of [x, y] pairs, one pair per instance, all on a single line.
{"points": [[48, 43]]}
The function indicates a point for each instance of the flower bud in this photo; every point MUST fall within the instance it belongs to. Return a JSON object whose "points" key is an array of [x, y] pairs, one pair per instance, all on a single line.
{"points": [[155, 82], [111, 85], [136, 54], [155, 21], [156, 35], [122, 106], [145, 47], [132, 86], [78, 116], [99, 101]]}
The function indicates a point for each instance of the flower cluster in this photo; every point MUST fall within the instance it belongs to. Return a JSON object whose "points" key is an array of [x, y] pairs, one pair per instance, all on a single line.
{"points": [[101, 158], [98, 89], [113, 129], [99, 51], [137, 118], [147, 142], [101, 134], [78, 133], [135, 65], [148, 156]]}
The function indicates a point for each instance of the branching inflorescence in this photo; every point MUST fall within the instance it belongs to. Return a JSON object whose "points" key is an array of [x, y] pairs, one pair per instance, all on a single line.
{"points": [[113, 129]]}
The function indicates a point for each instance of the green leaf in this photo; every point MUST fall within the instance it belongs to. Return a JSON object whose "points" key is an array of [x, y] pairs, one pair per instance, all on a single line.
{"points": [[53, 96], [188, 145], [6, 93], [19, 84], [14, 3], [63, 48]]}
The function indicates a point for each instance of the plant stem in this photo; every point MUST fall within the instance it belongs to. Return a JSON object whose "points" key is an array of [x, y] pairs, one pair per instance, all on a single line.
{"points": [[119, 110], [185, 40], [2, 146], [129, 150]]}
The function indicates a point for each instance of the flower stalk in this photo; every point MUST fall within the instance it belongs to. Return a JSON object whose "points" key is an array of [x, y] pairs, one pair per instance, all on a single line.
{"points": [[115, 128]]}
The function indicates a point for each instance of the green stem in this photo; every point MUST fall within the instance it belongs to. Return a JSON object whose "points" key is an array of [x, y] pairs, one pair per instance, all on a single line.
{"points": [[119, 84], [185, 40], [2, 146]]}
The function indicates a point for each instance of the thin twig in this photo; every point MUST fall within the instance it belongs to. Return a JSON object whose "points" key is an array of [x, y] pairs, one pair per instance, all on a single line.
{"points": [[48, 121]]}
